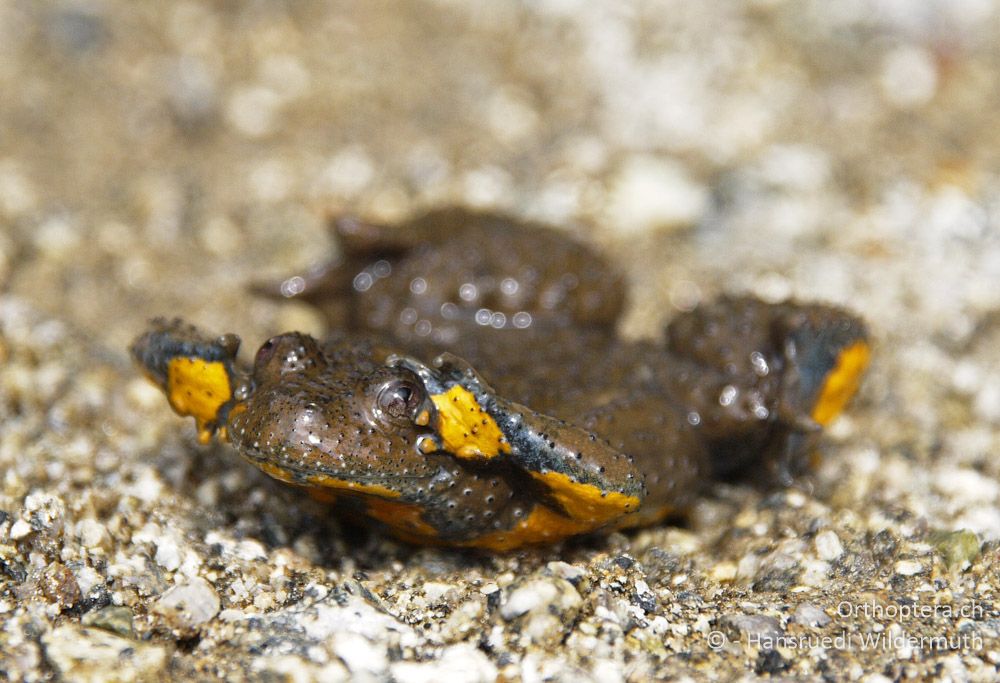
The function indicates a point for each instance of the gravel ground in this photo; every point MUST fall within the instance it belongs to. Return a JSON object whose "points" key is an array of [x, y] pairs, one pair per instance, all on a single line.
{"points": [[157, 157]]}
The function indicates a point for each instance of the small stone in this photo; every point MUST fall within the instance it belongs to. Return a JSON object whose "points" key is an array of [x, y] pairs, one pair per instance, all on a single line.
{"points": [[360, 655], [909, 76], [465, 617], [348, 173], [115, 619], [724, 572], [908, 568], [540, 595], [758, 630], [957, 548], [434, 590], [92, 534], [87, 654], [966, 486], [250, 550], [828, 546], [188, 605], [486, 186], [808, 614], [462, 663], [253, 110], [60, 586], [168, 555], [653, 193], [19, 529], [566, 571]]}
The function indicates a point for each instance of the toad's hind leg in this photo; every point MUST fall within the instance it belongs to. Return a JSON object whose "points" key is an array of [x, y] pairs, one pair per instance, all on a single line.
{"points": [[763, 379], [653, 430], [450, 272]]}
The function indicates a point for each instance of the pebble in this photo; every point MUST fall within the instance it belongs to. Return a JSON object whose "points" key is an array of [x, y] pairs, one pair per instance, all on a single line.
{"points": [[115, 619], [462, 663], [754, 627], [434, 590], [20, 529], [18, 196], [168, 555], [564, 570], [724, 572], [966, 486], [958, 548], [540, 594], [908, 567], [92, 655], [828, 546], [253, 110], [60, 586], [92, 534], [808, 614], [361, 655], [188, 605], [651, 192], [348, 172], [909, 76]]}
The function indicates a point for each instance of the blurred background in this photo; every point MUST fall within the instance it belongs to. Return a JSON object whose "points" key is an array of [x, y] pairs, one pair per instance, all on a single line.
{"points": [[155, 157]]}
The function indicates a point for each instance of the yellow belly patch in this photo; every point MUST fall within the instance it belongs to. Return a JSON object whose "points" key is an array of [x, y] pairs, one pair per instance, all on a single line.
{"points": [[543, 525], [586, 503], [198, 388], [325, 481], [465, 429], [405, 519], [842, 382]]}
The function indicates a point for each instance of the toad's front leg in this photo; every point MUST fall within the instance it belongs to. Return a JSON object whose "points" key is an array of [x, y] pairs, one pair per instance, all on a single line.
{"points": [[576, 471]]}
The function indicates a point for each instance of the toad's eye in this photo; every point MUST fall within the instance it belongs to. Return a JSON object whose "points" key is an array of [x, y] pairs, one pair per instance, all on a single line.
{"points": [[399, 399]]}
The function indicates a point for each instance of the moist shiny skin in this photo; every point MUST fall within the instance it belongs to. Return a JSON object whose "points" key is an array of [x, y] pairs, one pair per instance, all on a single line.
{"points": [[537, 423]]}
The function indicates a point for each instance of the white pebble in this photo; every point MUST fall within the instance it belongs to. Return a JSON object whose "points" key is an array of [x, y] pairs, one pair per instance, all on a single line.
{"points": [[191, 603], [168, 554], [19, 530], [653, 193], [828, 546], [462, 663], [909, 77], [908, 567], [965, 486], [92, 533], [253, 110], [987, 403], [348, 172], [271, 181], [486, 186]]}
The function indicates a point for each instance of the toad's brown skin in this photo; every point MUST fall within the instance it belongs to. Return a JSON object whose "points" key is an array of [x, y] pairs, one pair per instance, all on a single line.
{"points": [[549, 427]]}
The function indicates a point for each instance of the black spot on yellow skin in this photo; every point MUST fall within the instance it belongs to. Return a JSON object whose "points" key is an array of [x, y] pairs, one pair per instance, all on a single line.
{"points": [[577, 431], [464, 427]]}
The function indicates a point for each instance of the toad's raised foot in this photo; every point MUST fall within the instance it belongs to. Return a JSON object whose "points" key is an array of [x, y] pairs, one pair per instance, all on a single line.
{"points": [[198, 373]]}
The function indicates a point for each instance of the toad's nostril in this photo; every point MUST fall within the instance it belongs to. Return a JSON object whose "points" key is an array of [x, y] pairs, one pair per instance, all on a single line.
{"points": [[266, 351]]}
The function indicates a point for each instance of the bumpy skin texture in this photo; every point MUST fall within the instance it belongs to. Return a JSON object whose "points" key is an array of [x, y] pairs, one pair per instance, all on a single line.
{"points": [[428, 280], [536, 423]]}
